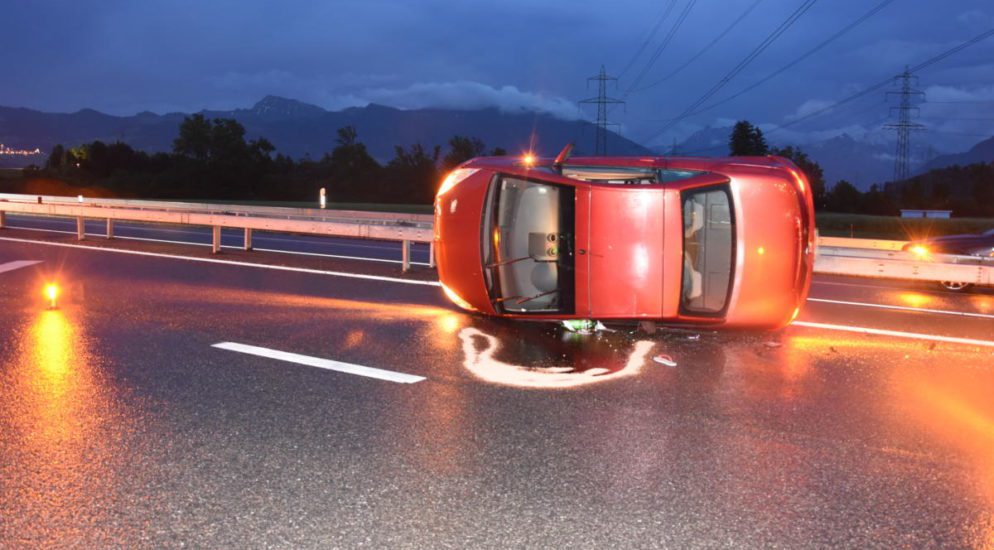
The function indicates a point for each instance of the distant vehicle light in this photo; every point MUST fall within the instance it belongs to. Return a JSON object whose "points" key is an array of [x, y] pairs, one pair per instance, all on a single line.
{"points": [[454, 178], [761, 250], [528, 159], [52, 293], [919, 250], [456, 299]]}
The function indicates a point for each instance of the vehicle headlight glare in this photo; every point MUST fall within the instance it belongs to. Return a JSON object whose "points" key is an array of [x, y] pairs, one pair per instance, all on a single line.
{"points": [[454, 178]]}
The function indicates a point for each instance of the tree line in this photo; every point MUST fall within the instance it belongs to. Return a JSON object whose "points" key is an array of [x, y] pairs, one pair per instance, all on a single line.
{"points": [[212, 159], [966, 190]]}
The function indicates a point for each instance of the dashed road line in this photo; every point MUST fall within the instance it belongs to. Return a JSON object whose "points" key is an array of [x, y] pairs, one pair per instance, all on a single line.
{"points": [[317, 362], [11, 266]]}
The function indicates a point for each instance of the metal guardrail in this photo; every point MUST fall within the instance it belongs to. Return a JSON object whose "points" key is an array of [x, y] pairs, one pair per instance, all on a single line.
{"points": [[406, 228], [885, 259]]}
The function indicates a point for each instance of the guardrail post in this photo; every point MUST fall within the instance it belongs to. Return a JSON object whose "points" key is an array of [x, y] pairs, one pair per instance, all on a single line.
{"points": [[216, 240], [80, 228], [110, 228], [248, 238], [405, 253], [3, 219], [431, 254]]}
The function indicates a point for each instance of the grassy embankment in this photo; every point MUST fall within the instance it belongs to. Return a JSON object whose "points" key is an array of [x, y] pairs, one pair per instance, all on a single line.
{"points": [[892, 227]]}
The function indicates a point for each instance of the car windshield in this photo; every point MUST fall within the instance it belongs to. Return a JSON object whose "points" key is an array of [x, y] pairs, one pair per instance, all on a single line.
{"points": [[529, 247], [708, 246]]}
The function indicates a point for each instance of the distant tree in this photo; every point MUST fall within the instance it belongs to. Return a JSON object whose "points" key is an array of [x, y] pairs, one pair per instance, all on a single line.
{"points": [[412, 175], [194, 139], [876, 202], [55, 158], [498, 152], [844, 197], [217, 161], [747, 140], [462, 149], [811, 169], [353, 174]]}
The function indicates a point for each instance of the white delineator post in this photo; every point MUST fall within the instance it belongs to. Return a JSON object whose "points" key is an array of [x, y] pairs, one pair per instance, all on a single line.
{"points": [[3, 219], [80, 228], [323, 198], [248, 238], [110, 228], [405, 254], [431, 254], [216, 239]]}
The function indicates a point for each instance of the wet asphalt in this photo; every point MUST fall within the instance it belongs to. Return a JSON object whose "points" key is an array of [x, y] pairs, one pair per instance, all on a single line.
{"points": [[121, 425]]}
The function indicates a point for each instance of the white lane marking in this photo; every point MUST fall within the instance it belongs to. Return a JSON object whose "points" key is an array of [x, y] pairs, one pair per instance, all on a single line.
{"points": [[328, 364], [236, 247], [903, 308], [232, 262], [11, 266], [895, 333]]}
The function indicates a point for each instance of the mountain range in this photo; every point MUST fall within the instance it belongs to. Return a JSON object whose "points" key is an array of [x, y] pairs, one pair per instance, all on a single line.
{"points": [[300, 130]]}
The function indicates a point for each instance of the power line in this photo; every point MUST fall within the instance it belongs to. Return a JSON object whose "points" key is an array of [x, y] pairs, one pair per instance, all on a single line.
{"points": [[705, 49], [602, 101], [759, 49], [917, 68], [964, 101], [873, 11], [655, 28], [662, 46]]}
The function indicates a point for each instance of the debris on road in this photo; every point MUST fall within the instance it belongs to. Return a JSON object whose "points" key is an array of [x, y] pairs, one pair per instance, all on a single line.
{"points": [[585, 326], [664, 359]]}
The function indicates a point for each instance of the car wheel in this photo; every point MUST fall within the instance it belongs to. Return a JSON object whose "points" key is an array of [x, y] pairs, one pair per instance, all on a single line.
{"points": [[955, 286]]}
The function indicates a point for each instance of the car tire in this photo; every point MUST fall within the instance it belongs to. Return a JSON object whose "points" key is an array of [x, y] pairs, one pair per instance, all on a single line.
{"points": [[955, 286]]}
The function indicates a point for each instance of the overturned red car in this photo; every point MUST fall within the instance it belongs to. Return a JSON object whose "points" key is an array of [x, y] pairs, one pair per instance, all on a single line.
{"points": [[722, 242]]}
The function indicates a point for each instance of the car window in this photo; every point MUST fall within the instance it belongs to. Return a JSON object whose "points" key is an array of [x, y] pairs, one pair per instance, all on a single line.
{"points": [[708, 245]]}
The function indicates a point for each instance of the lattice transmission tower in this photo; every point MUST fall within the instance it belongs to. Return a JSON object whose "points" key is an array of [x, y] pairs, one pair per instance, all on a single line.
{"points": [[602, 101], [909, 98]]}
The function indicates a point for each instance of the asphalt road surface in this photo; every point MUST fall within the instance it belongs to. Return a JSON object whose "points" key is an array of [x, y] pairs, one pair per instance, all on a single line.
{"points": [[269, 400]]}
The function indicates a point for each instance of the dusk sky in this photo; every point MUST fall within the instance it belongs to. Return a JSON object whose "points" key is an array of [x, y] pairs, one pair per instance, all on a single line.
{"points": [[122, 57]]}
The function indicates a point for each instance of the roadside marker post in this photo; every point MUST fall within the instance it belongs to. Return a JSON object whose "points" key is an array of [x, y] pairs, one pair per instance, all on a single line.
{"points": [[216, 239]]}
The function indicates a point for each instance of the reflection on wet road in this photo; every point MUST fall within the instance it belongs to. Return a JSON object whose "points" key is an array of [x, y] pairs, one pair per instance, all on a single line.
{"points": [[62, 427], [120, 425]]}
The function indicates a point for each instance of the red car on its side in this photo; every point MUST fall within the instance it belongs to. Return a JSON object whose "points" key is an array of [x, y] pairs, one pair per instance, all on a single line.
{"points": [[722, 242]]}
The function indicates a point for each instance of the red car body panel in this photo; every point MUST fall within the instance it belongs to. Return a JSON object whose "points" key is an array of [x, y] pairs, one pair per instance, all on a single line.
{"points": [[628, 239]]}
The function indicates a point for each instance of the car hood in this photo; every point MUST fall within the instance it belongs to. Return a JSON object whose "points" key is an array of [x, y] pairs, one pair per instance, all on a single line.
{"points": [[458, 217]]}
